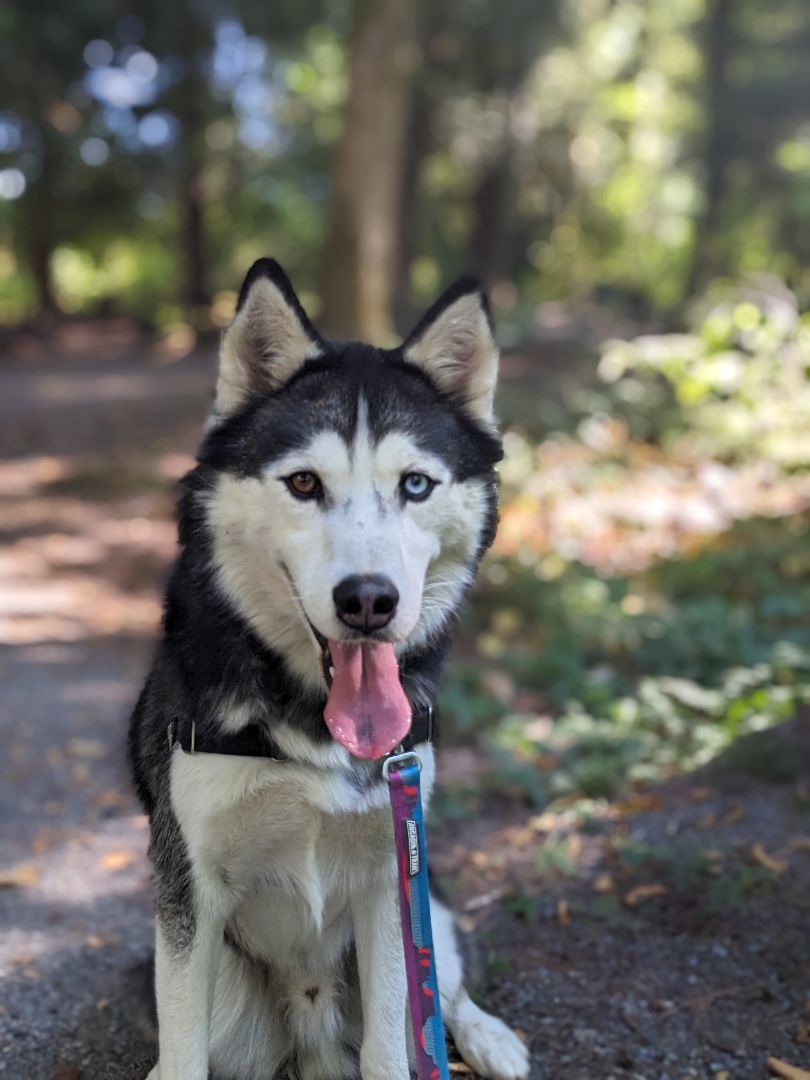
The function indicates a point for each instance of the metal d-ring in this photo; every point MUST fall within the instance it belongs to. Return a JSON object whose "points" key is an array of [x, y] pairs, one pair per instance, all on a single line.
{"points": [[396, 759]]}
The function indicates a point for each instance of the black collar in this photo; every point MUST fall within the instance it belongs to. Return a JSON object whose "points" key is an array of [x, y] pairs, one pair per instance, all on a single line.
{"points": [[254, 740]]}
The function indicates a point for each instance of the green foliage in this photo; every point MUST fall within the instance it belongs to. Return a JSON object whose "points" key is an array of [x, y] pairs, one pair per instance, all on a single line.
{"points": [[637, 695], [739, 385], [576, 149], [597, 676]]}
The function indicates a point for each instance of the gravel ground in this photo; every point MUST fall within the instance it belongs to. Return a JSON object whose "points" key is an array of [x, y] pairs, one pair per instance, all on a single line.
{"points": [[658, 939]]}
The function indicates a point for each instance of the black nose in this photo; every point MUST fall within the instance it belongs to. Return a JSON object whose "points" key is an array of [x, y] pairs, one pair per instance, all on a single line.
{"points": [[366, 601]]}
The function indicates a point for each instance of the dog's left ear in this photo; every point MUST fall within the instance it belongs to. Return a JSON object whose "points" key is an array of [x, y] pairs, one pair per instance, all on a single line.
{"points": [[269, 339], [455, 347]]}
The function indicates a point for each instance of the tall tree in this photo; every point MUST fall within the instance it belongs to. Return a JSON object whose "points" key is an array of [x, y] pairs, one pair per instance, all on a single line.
{"points": [[718, 46], [360, 251]]}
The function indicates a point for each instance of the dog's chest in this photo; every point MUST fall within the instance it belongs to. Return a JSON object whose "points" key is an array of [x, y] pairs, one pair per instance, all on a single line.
{"points": [[254, 826]]}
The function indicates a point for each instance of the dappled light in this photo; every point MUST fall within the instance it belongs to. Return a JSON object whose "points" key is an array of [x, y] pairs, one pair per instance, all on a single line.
{"points": [[623, 805]]}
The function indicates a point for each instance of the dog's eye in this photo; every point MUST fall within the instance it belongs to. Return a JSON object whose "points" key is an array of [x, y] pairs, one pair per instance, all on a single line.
{"points": [[416, 486], [304, 485]]}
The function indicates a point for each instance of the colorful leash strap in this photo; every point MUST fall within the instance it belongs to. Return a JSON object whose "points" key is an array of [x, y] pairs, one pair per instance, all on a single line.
{"points": [[402, 773]]}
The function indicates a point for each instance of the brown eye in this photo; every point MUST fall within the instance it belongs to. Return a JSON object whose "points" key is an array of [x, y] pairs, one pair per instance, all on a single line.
{"points": [[305, 485]]}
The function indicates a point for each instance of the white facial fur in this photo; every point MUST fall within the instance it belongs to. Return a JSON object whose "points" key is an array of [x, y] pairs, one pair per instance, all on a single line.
{"points": [[262, 533]]}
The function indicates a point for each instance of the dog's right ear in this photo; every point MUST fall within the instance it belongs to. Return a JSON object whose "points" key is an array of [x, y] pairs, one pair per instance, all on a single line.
{"points": [[269, 339]]}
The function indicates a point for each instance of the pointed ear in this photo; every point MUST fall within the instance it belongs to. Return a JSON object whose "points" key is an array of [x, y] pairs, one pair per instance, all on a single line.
{"points": [[269, 339], [454, 346]]}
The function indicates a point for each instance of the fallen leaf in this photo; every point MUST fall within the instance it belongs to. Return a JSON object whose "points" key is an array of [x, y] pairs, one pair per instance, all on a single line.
{"points": [[701, 794], [724, 1075], [788, 1072], [636, 803], [735, 813], [102, 1004], [19, 877], [99, 941], [714, 858], [604, 884], [563, 913], [802, 1033], [86, 748], [708, 821], [66, 1072], [466, 923], [486, 899], [800, 843], [43, 841], [543, 822], [641, 893], [118, 860], [760, 855]]}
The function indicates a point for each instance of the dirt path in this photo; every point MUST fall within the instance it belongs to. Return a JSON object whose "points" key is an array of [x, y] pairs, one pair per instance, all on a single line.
{"points": [[660, 938]]}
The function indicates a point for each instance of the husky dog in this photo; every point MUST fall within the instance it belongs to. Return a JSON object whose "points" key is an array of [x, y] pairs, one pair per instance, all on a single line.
{"points": [[342, 500]]}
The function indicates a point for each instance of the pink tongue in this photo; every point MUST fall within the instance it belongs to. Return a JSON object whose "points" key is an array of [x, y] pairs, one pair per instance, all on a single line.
{"points": [[367, 711]]}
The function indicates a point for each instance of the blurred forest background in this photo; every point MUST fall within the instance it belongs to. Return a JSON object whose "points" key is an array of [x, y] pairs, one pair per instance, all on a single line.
{"points": [[624, 152], [613, 168], [626, 716]]}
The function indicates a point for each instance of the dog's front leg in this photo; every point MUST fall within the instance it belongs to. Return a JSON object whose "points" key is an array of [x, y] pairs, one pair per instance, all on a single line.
{"points": [[185, 970], [383, 988]]}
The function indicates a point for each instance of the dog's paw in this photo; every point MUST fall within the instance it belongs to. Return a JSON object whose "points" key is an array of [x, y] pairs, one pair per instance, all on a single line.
{"points": [[488, 1046]]}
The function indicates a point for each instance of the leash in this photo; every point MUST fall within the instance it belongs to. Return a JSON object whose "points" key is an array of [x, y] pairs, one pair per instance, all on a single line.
{"points": [[402, 773]]}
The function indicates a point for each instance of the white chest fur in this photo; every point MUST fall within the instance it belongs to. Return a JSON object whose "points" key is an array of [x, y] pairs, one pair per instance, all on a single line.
{"points": [[304, 836]]}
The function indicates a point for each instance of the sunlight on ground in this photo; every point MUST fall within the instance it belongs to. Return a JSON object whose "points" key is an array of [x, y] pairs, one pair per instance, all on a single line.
{"points": [[77, 565]]}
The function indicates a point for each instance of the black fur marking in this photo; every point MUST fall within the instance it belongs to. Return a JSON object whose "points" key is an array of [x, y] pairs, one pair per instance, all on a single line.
{"points": [[174, 888], [324, 395], [465, 286], [209, 658]]}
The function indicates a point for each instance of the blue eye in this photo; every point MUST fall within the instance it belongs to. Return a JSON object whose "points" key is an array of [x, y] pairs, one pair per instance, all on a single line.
{"points": [[416, 486]]}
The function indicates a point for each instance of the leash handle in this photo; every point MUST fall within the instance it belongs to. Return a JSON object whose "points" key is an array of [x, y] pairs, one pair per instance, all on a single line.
{"points": [[402, 773]]}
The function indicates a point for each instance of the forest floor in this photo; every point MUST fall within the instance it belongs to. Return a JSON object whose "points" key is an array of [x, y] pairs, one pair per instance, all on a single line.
{"points": [[657, 935]]}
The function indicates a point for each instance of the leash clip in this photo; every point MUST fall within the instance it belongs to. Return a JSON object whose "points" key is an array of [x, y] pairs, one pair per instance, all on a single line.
{"points": [[397, 759]]}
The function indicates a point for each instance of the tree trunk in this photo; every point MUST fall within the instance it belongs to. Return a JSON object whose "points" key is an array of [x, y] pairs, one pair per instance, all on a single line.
{"points": [[491, 204], [707, 259], [360, 251], [432, 19], [192, 37], [196, 289], [418, 146], [40, 244], [38, 223]]}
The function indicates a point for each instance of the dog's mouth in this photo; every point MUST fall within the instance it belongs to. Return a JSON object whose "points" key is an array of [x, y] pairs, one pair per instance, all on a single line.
{"points": [[366, 710]]}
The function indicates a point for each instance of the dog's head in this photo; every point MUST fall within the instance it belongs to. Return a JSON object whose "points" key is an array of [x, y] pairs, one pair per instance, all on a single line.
{"points": [[353, 488]]}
